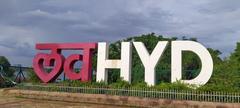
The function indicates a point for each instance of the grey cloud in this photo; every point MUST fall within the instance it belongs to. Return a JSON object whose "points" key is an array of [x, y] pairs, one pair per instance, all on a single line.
{"points": [[23, 23]]}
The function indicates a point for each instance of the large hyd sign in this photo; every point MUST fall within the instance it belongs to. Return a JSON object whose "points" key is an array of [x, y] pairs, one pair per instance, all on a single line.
{"points": [[61, 64]]}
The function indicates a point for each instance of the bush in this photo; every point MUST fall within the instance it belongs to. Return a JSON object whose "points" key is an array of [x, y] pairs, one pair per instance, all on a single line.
{"points": [[219, 88], [120, 84], [32, 77], [174, 86]]}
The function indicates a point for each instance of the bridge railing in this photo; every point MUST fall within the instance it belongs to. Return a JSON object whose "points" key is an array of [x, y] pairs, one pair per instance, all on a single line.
{"points": [[191, 95]]}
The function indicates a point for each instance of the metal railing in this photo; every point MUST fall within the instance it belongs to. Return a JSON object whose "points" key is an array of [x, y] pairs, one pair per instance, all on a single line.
{"points": [[191, 95]]}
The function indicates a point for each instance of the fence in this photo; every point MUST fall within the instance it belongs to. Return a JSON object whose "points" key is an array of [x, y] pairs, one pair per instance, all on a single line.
{"points": [[192, 95]]}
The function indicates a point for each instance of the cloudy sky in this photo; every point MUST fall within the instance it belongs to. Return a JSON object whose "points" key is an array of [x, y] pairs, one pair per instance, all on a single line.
{"points": [[23, 23]]}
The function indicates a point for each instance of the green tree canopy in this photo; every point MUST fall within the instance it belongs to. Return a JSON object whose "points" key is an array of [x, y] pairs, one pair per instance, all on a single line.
{"points": [[6, 66]]}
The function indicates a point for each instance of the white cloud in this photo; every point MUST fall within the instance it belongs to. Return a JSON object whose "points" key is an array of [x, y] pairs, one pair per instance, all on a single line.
{"points": [[64, 16]]}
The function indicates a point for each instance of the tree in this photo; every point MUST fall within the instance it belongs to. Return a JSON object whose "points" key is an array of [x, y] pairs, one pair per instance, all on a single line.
{"points": [[6, 66], [226, 73], [234, 66]]}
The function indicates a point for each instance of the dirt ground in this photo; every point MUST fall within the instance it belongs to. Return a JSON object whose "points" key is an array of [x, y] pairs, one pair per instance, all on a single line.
{"points": [[18, 102]]}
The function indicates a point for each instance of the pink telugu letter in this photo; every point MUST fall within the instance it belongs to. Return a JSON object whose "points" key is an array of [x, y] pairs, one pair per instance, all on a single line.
{"points": [[59, 63], [85, 73]]}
